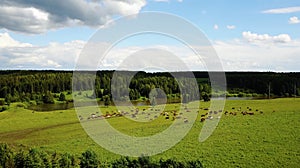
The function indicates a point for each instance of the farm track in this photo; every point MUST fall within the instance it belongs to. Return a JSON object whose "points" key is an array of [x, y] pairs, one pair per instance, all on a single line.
{"points": [[21, 134]]}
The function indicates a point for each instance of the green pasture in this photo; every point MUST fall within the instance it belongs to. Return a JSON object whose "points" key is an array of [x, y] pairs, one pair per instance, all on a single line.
{"points": [[269, 138]]}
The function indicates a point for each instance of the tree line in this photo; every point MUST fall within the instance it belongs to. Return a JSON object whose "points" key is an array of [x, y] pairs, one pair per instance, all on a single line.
{"points": [[37, 158], [45, 86]]}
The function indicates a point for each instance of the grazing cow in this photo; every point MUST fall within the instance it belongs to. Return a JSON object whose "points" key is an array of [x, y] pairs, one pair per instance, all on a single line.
{"points": [[226, 112], [202, 115], [233, 113], [186, 121], [244, 112], [250, 113], [209, 117], [93, 115], [220, 111], [202, 119], [261, 112], [215, 112], [205, 109], [233, 108], [210, 112], [167, 117]]}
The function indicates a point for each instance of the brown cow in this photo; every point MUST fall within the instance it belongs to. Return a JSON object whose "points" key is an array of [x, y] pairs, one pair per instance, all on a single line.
{"points": [[250, 113]]}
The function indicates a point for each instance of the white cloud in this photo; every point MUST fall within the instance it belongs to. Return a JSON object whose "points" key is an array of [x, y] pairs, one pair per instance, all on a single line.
{"points": [[7, 41], [40, 16], [266, 38], [294, 20], [162, 0], [216, 27], [166, 0], [236, 55], [242, 56], [15, 54], [282, 10], [230, 27]]}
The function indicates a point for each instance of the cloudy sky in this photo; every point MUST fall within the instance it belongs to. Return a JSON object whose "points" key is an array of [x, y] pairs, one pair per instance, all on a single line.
{"points": [[250, 35]]}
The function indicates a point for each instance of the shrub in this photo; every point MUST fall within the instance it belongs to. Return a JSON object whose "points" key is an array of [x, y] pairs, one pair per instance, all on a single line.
{"points": [[21, 105], [6, 156], [3, 108], [89, 159], [206, 97], [170, 163], [48, 98], [194, 164], [67, 161], [141, 162], [241, 94], [2, 102], [62, 97], [19, 159], [34, 159]]}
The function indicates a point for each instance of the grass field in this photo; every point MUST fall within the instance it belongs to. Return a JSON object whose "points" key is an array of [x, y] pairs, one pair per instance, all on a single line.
{"points": [[267, 139]]}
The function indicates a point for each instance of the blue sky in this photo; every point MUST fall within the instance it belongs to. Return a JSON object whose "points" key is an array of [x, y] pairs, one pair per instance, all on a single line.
{"points": [[255, 35]]}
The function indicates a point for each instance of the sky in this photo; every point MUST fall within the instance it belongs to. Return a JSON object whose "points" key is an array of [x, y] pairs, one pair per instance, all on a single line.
{"points": [[248, 35]]}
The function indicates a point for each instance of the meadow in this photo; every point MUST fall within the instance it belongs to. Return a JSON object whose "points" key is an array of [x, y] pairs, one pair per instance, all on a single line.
{"points": [[269, 138]]}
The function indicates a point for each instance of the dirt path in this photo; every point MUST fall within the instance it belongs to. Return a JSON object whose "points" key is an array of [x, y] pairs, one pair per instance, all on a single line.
{"points": [[21, 134]]}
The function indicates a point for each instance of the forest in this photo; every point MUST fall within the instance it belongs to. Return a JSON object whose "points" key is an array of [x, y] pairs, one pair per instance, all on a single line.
{"points": [[47, 86]]}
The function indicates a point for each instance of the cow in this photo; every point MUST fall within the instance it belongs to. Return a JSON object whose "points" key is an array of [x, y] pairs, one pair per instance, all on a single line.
{"points": [[250, 113]]}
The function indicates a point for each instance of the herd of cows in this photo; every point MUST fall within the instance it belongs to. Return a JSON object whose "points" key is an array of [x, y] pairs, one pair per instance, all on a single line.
{"points": [[153, 113]]}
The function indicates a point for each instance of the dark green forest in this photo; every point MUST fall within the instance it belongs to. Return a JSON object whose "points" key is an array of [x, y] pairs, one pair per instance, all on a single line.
{"points": [[45, 86]]}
